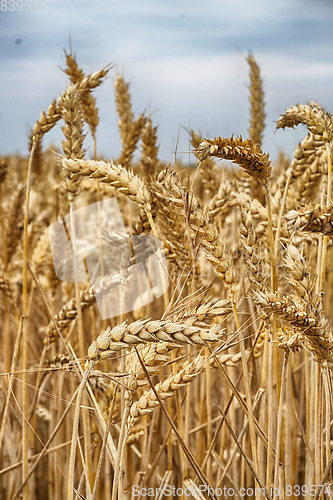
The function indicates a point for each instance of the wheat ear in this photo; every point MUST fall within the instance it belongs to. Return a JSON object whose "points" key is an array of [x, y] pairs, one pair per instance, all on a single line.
{"points": [[317, 120], [311, 219], [165, 389], [257, 104], [245, 153], [307, 316], [125, 181], [149, 149], [142, 331]]}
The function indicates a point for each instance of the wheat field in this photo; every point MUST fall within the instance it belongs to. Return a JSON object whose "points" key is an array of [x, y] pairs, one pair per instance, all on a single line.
{"points": [[218, 387]]}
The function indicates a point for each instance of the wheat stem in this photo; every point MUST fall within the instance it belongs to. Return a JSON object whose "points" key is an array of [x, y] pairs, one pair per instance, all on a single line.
{"points": [[247, 385], [25, 427], [116, 488], [255, 475], [86, 419], [328, 203], [75, 433], [326, 384], [279, 427], [162, 271], [271, 236], [102, 452], [10, 388]]}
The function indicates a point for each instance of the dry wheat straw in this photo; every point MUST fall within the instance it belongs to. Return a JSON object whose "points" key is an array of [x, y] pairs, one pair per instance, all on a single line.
{"points": [[73, 148]]}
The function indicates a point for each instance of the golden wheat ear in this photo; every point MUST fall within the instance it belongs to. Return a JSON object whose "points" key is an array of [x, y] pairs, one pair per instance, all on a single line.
{"points": [[143, 331], [312, 219], [247, 155], [257, 104], [318, 121]]}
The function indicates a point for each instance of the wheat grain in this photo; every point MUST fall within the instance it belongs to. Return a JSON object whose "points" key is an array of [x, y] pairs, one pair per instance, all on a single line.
{"points": [[6, 286], [252, 251], [68, 312], [14, 222], [87, 100], [200, 224], [153, 356], [73, 71]]}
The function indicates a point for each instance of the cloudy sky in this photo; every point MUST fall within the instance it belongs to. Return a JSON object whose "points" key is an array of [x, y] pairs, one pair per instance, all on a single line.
{"points": [[185, 60]]}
